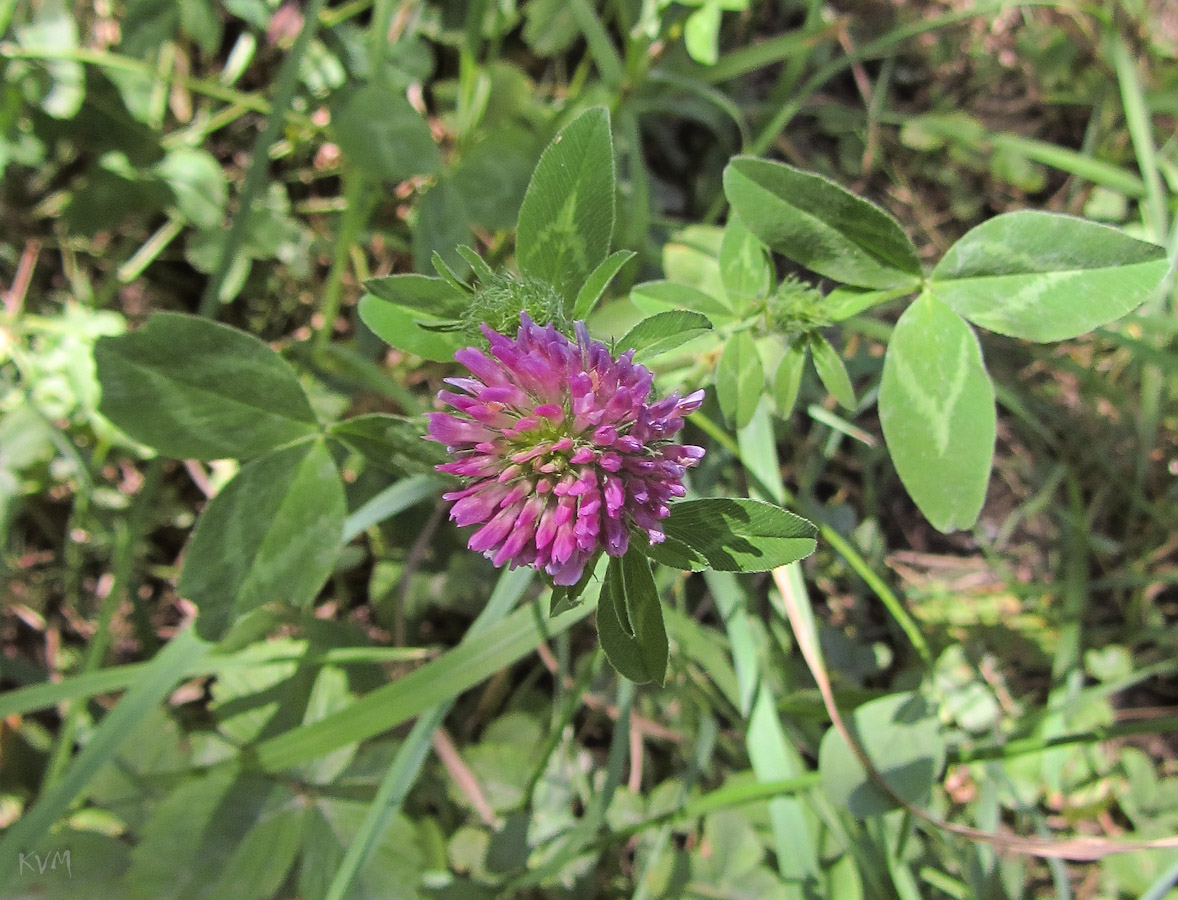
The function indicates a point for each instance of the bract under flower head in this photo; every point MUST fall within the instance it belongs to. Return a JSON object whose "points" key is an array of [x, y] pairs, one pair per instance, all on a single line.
{"points": [[562, 450]]}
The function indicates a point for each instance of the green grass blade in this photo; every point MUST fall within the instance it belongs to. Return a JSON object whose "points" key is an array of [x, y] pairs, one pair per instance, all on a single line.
{"points": [[1137, 119], [700, 760], [602, 49], [773, 756], [160, 676], [778, 49], [118, 678], [1161, 887], [449, 675], [259, 170], [394, 499], [406, 767], [873, 50]]}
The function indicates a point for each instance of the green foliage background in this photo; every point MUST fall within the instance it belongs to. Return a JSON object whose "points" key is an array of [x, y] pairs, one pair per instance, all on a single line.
{"points": [[922, 257]]}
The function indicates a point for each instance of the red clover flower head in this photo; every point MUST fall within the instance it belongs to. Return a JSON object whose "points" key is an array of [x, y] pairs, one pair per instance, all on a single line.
{"points": [[562, 451]]}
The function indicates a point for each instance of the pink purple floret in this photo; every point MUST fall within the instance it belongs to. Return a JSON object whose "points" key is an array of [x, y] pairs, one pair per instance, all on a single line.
{"points": [[562, 452]]}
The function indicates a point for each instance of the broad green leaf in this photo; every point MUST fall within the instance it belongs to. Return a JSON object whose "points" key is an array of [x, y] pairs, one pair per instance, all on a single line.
{"points": [[701, 33], [198, 181], [394, 443], [664, 331], [150, 753], [735, 852], [72, 863], [382, 135], [442, 224], [902, 736], [329, 694], [268, 696], [392, 869], [110, 193], [483, 274], [788, 381], [54, 28], [831, 371], [550, 26], [273, 533], [819, 224], [1047, 277], [399, 328], [159, 677], [598, 281], [492, 176], [146, 24], [744, 268], [194, 389], [936, 406], [658, 296], [567, 217], [435, 297], [732, 535], [494, 761], [218, 833], [740, 379], [621, 649], [273, 231], [844, 302], [445, 266], [641, 648], [691, 257], [200, 19]]}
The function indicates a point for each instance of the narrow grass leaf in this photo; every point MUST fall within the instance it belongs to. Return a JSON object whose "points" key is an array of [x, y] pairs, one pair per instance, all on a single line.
{"points": [[772, 754], [229, 255], [394, 499], [406, 767], [449, 675], [758, 454], [119, 678]]}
